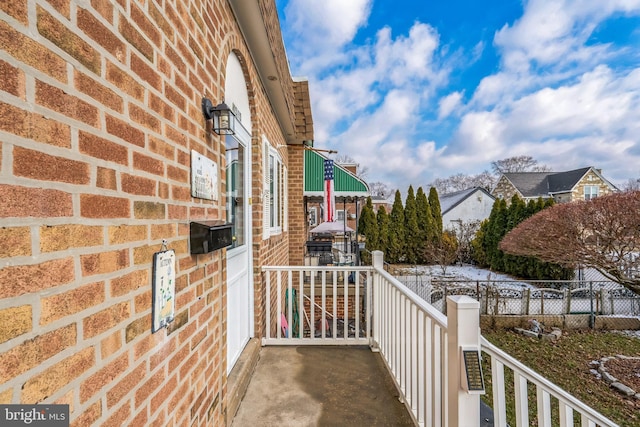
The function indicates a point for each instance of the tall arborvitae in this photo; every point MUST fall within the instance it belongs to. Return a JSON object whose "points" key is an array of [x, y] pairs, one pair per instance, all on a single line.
{"points": [[436, 214], [426, 228], [383, 230], [500, 222], [396, 236], [368, 227], [411, 228]]}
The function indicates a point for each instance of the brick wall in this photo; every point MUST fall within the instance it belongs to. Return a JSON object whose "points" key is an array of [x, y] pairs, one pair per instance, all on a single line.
{"points": [[99, 110]]}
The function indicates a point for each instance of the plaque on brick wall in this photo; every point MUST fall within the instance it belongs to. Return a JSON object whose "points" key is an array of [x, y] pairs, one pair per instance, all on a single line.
{"points": [[204, 177], [164, 288]]}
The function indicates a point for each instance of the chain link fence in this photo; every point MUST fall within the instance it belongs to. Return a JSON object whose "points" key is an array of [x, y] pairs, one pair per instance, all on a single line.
{"points": [[576, 304]]}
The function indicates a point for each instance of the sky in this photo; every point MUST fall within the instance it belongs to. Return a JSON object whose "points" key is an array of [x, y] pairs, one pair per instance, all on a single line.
{"points": [[418, 90]]}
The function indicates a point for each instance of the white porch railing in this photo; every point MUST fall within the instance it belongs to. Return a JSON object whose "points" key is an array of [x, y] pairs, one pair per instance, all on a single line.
{"points": [[545, 392], [421, 347]]}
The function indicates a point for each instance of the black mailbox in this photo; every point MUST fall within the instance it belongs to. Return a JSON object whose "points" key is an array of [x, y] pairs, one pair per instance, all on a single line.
{"points": [[207, 236]]}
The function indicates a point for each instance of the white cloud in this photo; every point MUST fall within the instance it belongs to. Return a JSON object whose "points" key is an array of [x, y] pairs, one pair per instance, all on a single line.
{"points": [[448, 104]]}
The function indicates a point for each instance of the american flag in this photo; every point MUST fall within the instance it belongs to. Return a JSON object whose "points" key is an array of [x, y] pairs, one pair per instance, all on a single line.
{"points": [[329, 196]]}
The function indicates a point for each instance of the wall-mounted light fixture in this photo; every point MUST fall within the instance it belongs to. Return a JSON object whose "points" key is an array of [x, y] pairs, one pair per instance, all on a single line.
{"points": [[224, 121]]}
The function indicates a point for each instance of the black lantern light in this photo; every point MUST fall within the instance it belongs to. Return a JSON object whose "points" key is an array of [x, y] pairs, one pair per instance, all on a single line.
{"points": [[223, 117]]}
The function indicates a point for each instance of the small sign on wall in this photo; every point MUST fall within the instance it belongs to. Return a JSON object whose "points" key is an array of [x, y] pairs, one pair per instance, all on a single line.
{"points": [[204, 177], [164, 288]]}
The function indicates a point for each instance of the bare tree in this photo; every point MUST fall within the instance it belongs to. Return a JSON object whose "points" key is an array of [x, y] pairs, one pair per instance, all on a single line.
{"points": [[518, 164], [465, 232], [444, 251], [343, 159], [380, 189], [603, 233], [633, 184], [460, 181]]}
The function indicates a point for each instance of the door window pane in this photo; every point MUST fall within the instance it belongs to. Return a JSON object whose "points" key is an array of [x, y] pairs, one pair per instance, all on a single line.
{"points": [[235, 157]]}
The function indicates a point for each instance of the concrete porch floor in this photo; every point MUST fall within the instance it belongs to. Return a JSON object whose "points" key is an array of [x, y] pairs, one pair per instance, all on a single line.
{"points": [[320, 386]]}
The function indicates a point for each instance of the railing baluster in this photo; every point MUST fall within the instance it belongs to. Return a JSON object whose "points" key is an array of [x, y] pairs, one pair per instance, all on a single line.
{"points": [[289, 300], [345, 316], [566, 414], [334, 297], [544, 407], [268, 304], [521, 400], [324, 305], [499, 403], [301, 310], [279, 302], [358, 307]]}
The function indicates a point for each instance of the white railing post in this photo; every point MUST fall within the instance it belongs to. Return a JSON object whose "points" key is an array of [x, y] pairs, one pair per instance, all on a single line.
{"points": [[377, 261], [463, 328]]}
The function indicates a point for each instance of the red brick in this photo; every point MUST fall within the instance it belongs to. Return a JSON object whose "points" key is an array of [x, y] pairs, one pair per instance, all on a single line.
{"points": [[141, 419], [71, 302], [102, 149], [62, 6], [158, 105], [88, 417], [127, 233], [30, 52], [124, 81], [163, 394], [105, 9], [144, 118], [33, 126], [99, 92], [142, 302], [119, 417], [163, 190], [103, 377], [180, 192], [125, 385], [129, 282], [106, 178], [33, 352], [145, 72], [175, 97], [163, 231], [177, 212], [57, 100], [41, 166], [101, 34], [53, 379], [148, 343], [104, 262], [63, 237], [148, 164], [175, 58], [105, 319], [149, 210], [95, 206], [160, 21], [16, 9], [15, 321], [68, 41], [175, 135], [160, 147], [150, 29], [25, 279], [125, 131], [16, 241], [139, 185], [185, 87], [12, 80], [135, 38], [110, 344], [148, 387]]}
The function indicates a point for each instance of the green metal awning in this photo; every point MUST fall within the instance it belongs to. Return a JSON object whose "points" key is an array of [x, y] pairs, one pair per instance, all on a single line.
{"points": [[346, 184]]}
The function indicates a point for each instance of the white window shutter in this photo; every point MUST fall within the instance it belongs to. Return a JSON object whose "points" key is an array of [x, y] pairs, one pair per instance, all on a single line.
{"points": [[285, 199], [266, 223]]}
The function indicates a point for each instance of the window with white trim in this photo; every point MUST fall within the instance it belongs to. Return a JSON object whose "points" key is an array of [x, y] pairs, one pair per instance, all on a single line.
{"points": [[340, 215], [590, 192], [274, 192], [313, 216]]}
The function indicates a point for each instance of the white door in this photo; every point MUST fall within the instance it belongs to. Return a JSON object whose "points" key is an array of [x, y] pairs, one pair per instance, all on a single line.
{"points": [[239, 257]]}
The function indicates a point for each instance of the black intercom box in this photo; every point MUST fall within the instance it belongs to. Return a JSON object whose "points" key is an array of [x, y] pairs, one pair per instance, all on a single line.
{"points": [[207, 236]]}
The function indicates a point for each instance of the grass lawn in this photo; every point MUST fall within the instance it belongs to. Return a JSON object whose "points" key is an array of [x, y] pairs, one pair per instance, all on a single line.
{"points": [[566, 363]]}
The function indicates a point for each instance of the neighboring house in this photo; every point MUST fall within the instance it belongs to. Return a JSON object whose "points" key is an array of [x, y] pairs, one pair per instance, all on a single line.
{"points": [[379, 201], [465, 207], [579, 184]]}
